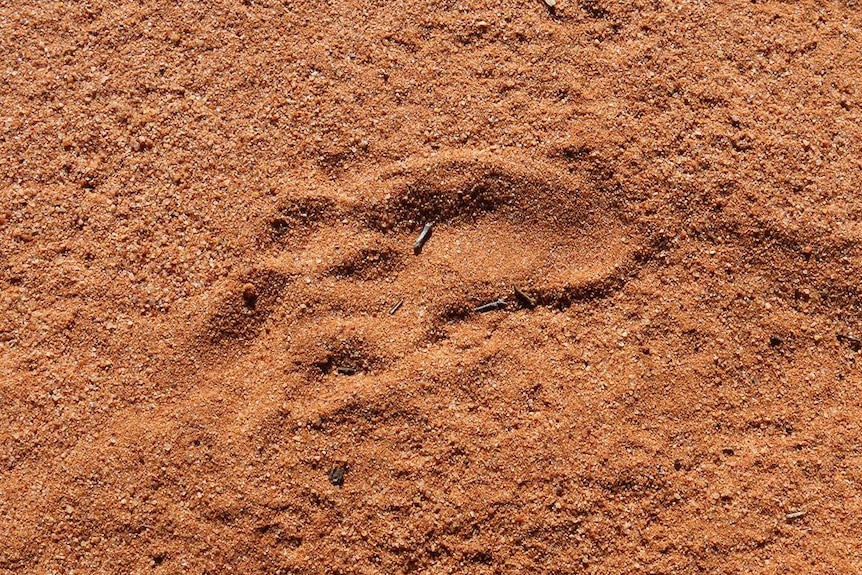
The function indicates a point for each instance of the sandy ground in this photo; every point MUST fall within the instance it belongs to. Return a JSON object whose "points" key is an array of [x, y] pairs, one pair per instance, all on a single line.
{"points": [[207, 221]]}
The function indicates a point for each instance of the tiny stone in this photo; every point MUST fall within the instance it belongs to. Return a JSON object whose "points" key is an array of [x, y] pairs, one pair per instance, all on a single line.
{"points": [[139, 144], [249, 295], [336, 476]]}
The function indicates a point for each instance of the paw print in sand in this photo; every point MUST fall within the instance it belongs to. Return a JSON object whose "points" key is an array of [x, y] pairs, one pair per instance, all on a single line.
{"points": [[398, 258]]}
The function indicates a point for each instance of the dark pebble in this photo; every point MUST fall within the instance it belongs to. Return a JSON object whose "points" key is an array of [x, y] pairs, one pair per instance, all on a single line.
{"points": [[249, 295], [336, 475]]}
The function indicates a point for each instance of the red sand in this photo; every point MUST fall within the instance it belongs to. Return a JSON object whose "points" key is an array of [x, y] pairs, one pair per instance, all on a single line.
{"points": [[207, 213]]}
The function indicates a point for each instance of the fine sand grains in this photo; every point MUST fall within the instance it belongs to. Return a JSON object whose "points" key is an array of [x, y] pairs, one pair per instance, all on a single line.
{"points": [[628, 345]]}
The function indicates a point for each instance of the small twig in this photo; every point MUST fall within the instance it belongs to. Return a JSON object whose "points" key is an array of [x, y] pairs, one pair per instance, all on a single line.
{"points": [[491, 306], [525, 300], [794, 515], [423, 237], [396, 307], [855, 343]]}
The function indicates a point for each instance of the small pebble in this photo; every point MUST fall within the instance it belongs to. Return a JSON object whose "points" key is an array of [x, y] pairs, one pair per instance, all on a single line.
{"points": [[336, 475], [249, 295]]}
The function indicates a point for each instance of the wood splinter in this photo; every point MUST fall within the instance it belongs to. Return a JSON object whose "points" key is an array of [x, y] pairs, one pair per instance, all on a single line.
{"points": [[423, 237], [855, 342], [491, 306], [525, 299]]}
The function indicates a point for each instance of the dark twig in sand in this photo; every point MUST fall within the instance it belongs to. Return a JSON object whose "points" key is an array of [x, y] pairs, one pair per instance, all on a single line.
{"points": [[855, 343], [525, 300]]}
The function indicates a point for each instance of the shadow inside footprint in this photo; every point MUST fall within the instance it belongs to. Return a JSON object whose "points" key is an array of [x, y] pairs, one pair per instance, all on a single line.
{"points": [[368, 263], [245, 304], [501, 223]]}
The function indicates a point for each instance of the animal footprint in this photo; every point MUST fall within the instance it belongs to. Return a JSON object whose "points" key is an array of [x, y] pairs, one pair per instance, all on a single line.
{"points": [[498, 223]]}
